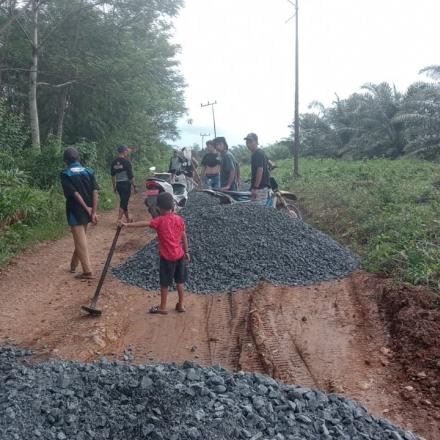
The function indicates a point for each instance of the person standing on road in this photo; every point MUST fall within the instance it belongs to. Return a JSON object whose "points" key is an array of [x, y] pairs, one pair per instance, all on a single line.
{"points": [[81, 192], [211, 167], [123, 180], [228, 168], [173, 251], [189, 166], [260, 174], [175, 164]]}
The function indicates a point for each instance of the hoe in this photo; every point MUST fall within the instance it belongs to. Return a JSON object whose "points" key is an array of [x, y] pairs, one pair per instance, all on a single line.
{"points": [[91, 309]]}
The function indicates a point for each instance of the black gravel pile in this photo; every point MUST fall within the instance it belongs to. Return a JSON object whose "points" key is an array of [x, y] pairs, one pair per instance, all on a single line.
{"points": [[201, 200], [236, 246], [65, 400]]}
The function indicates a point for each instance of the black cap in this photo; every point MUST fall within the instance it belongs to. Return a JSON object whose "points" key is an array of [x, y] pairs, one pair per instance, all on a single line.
{"points": [[122, 148], [251, 136]]}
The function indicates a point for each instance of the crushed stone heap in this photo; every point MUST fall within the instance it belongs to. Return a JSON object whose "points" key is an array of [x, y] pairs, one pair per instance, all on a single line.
{"points": [[111, 400], [236, 246]]}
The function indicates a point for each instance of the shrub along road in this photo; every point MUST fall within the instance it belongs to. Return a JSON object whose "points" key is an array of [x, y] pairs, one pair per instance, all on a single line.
{"points": [[329, 336]]}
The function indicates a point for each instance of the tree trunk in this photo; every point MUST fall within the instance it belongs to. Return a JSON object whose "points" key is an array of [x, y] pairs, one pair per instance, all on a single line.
{"points": [[62, 112], [33, 108]]}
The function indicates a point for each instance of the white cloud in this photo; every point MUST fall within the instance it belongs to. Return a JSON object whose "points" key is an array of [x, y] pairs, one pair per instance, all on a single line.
{"points": [[241, 53]]}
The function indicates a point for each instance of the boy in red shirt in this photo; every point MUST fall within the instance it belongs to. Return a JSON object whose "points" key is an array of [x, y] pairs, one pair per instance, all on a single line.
{"points": [[173, 250]]}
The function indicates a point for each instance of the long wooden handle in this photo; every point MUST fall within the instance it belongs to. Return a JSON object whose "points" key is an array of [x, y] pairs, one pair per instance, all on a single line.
{"points": [[106, 266]]}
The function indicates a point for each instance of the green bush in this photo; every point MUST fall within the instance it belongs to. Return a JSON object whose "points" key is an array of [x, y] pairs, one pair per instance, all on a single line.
{"points": [[387, 211]]}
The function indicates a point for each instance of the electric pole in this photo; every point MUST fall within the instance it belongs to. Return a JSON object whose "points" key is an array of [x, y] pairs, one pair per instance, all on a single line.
{"points": [[203, 138], [296, 120], [213, 114]]}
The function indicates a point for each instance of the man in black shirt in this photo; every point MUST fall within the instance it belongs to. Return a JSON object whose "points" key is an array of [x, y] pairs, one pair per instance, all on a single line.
{"points": [[122, 179], [260, 174], [81, 192]]}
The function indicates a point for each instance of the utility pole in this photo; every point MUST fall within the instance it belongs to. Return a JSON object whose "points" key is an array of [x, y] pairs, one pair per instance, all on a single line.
{"points": [[203, 135], [296, 120], [213, 115]]}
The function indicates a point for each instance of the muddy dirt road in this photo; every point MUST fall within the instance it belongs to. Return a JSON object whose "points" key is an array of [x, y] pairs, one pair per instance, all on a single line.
{"points": [[329, 336]]}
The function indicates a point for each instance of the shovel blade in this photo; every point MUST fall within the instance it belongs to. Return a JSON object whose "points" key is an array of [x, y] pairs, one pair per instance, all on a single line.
{"points": [[92, 311]]}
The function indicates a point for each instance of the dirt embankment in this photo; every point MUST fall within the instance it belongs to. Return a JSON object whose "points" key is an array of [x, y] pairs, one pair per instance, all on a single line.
{"points": [[355, 336]]}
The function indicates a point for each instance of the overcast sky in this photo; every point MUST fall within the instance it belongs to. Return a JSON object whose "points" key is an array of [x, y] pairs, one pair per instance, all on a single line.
{"points": [[241, 53]]}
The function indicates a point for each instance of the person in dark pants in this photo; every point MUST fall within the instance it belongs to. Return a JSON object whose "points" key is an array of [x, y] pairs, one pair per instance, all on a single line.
{"points": [[173, 251], [81, 192], [228, 165], [260, 174], [123, 180]]}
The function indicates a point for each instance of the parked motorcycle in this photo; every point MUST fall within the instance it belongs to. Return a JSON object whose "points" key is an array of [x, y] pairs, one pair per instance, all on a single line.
{"points": [[162, 182], [278, 199]]}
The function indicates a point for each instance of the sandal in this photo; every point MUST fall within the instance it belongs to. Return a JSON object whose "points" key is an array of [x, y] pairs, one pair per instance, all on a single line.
{"points": [[180, 308], [85, 276], [155, 310]]}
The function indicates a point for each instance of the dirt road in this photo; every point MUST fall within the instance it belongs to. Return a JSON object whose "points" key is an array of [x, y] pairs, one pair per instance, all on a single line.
{"points": [[329, 336]]}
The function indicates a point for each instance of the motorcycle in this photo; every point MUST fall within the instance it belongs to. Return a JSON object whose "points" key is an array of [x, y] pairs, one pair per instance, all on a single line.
{"points": [[163, 182], [278, 199]]}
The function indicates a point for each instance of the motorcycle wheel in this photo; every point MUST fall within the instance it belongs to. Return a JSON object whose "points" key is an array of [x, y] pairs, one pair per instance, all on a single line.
{"points": [[292, 211]]}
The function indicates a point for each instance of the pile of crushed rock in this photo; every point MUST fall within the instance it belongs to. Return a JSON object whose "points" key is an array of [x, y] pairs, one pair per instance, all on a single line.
{"points": [[112, 400], [236, 246]]}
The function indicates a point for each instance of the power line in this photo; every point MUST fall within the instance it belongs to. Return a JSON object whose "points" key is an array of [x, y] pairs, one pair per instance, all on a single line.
{"points": [[213, 114]]}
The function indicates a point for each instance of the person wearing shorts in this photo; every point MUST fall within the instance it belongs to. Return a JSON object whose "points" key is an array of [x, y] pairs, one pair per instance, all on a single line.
{"points": [[123, 180], [81, 193], [173, 251]]}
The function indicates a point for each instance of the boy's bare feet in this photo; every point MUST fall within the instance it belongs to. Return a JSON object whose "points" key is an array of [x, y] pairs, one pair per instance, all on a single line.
{"points": [[156, 310], [180, 308]]}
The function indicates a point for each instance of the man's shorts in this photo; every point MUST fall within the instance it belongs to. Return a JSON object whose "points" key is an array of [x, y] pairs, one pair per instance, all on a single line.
{"points": [[124, 190], [262, 196], [170, 271]]}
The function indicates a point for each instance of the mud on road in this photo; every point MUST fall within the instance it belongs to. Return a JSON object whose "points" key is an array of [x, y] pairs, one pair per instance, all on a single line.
{"points": [[332, 336]]}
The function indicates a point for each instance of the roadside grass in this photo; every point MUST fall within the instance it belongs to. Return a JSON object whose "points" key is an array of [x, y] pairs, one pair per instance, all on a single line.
{"points": [[386, 211], [29, 215]]}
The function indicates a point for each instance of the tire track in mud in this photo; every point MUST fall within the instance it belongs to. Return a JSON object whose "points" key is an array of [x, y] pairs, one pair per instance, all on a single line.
{"points": [[246, 334]]}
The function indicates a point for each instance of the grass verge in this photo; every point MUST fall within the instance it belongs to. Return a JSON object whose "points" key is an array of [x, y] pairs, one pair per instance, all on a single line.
{"points": [[386, 211]]}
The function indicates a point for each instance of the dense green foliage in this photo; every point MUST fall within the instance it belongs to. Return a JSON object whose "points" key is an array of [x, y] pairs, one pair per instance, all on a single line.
{"points": [[107, 71], [386, 211], [107, 74], [378, 121]]}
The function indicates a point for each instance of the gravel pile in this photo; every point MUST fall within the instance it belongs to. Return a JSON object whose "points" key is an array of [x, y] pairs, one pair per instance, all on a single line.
{"points": [[65, 400], [200, 200], [236, 246]]}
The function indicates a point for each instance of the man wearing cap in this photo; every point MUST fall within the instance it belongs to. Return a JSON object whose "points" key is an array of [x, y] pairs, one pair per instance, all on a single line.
{"points": [[123, 179], [228, 165], [260, 174]]}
